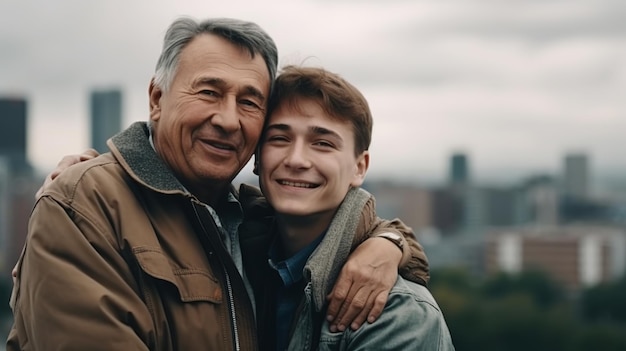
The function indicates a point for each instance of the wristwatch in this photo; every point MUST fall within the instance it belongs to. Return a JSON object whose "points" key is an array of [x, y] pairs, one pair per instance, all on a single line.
{"points": [[395, 238]]}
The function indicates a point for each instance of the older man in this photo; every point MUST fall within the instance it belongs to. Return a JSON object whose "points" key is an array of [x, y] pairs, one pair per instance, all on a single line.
{"points": [[138, 249]]}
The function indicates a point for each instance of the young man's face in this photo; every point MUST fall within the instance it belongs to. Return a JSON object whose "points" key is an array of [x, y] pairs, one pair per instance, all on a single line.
{"points": [[307, 161]]}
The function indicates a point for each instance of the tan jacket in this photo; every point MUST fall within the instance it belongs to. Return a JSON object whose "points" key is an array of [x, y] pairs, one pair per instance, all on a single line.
{"points": [[119, 258]]}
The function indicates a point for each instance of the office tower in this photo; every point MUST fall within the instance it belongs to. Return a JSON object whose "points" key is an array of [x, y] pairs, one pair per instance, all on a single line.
{"points": [[459, 169], [459, 194], [5, 213], [106, 117], [576, 177], [13, 135]]}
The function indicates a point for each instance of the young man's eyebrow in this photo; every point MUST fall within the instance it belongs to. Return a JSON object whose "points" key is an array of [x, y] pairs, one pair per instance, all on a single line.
{"points": [[324, 131], [278, 126], [315, 130]]}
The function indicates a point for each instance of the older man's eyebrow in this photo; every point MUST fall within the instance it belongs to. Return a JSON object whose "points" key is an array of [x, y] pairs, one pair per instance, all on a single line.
{"points": [[250, 90], [218, 82], [222, 84]]}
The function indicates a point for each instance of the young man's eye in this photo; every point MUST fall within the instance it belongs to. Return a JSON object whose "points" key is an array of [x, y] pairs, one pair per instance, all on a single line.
{"points": [[323, 143], [277, 138]]}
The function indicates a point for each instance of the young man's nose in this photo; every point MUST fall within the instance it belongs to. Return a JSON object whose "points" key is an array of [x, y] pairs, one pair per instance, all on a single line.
{"points": [[297, 156]]}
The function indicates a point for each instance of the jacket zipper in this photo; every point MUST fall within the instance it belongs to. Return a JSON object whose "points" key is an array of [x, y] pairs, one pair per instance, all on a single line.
{"points": [[231, 308], [229, 288]]}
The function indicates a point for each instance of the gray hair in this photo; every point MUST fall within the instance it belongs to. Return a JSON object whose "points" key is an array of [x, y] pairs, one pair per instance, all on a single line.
{"points": [[247, 35]]}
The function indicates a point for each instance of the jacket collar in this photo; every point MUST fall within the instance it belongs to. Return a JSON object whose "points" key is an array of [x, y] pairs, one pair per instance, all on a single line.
{"points": [[132, 149], [324, 265]]}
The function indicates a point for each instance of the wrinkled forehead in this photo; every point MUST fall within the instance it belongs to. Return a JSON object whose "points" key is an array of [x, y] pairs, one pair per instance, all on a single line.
{"points": [[224, 59]]}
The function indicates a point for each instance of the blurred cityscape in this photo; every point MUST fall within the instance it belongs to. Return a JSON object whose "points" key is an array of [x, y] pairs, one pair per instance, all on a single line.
{"points": [[554, 225], [548, 222]]}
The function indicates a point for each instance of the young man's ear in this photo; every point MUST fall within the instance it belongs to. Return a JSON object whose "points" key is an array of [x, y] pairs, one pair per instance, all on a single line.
{"points": [[362, 164], [154, 94]]}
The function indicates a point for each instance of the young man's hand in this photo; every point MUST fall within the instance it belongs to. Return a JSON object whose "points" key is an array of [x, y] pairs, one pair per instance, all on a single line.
{"points": [[363, 285]]}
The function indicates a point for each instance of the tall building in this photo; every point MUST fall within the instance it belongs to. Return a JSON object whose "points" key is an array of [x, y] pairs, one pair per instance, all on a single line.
{"points": [[5, 213], [459, 169], [106, 117], [16, 190], [13, 133], [576, 176]]}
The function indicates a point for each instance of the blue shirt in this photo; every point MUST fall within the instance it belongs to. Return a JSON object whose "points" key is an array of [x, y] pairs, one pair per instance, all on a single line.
{"points": [[289, 294]]}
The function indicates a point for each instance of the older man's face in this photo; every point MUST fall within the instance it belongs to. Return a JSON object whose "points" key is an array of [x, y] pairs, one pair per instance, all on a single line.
{"points": [[207, 125]]}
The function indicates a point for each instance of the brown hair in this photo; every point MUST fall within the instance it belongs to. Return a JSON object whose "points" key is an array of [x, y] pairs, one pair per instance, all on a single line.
{"points": [[338, 98]]}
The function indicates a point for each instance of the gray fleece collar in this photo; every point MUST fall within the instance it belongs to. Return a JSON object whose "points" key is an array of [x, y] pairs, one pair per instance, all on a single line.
{"points": [[132, 149], [324, 265]]}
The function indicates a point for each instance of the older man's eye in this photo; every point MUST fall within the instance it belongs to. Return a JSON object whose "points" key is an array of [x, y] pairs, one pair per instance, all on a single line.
{"points": [[208, 92], [250, 105]]}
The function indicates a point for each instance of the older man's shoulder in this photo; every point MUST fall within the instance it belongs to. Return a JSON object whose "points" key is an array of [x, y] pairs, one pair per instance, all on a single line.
{"points": [[97, 174]]}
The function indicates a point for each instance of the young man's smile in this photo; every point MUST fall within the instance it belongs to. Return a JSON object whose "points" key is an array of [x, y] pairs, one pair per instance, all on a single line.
{"points": [[307, 160]]}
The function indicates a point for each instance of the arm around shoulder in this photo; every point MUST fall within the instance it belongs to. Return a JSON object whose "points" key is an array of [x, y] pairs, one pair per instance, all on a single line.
{"points": [[372, 268], [414, 263]]}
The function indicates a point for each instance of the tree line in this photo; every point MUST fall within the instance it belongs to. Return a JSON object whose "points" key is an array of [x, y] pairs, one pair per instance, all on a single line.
{"points": [[529, 311]]}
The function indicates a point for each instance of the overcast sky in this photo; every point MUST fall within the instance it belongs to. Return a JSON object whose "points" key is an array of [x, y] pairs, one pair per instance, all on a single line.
{"points": [[515, 84]]}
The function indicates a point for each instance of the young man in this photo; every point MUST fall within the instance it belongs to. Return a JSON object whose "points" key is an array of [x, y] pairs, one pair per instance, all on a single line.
{"points": [[138, 249], [313, 158]]}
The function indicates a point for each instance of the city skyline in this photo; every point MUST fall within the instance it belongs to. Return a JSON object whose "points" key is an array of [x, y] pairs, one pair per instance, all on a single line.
{"points": [[449, 162], [515, 86]]}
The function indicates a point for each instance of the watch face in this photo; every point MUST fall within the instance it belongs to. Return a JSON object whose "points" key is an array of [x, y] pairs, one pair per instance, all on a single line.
{"points": [[394, 237], [398, 240]]}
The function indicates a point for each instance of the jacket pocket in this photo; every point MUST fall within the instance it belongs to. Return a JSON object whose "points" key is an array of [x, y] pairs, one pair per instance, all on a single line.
{"points": [[192, 284]]}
